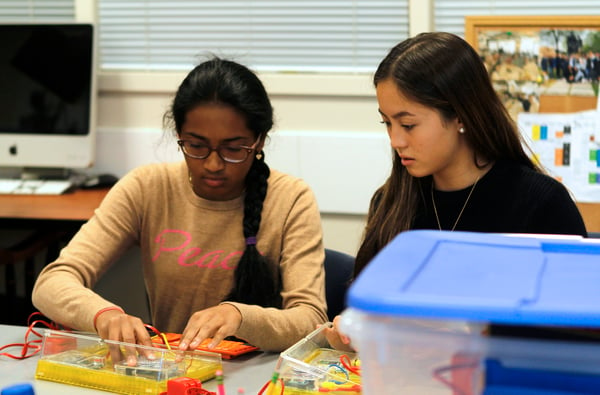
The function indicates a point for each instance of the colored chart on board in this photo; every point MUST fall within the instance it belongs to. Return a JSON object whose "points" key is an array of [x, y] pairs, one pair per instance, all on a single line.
{"points": [[568, 147]]}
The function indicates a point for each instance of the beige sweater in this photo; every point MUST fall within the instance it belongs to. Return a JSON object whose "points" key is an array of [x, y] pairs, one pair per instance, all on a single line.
{"points": [[190, 247]]}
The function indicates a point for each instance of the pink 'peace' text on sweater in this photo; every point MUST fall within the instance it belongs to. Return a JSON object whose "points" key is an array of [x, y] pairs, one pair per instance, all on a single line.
{"points": [[211, 259]]}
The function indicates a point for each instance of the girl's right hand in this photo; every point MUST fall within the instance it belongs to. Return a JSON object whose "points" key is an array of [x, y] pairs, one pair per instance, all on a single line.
{"points": [[121, 327], [337, 339]]}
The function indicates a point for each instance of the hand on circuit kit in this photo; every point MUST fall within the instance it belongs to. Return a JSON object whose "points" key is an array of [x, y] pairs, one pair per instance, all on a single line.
{"points": [[337, 339], [216, 322], [119, 326]]}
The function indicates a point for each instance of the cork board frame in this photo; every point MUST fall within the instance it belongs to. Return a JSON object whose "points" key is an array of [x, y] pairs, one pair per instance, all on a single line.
{"points": [[542, 38]]}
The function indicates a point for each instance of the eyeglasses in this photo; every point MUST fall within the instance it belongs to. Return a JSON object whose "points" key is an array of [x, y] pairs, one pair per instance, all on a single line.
{"points": [[229, 153]]}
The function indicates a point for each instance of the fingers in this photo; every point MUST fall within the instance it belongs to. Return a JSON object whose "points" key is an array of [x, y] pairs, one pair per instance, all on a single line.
{"points": [[336, 325], [117, 326], [218, 337], [195, 333], [128, 336], [216, 322], [336, 339], [200, 327], [144, 339]]}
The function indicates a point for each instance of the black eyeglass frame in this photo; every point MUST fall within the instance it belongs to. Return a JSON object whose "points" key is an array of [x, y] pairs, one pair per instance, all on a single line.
{"points": [[217, 149]]}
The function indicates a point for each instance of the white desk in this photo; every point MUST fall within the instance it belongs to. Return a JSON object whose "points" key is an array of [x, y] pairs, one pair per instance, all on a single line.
{"points": [[250, 372]]}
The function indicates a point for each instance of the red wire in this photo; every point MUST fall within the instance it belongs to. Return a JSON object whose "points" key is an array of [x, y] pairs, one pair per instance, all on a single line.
{"points": [[346, 363], [153, 329], [34, 344]]}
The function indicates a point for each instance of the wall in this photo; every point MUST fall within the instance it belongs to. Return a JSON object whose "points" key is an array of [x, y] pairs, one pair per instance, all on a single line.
{"points": [[327, 132], [328, 105]]}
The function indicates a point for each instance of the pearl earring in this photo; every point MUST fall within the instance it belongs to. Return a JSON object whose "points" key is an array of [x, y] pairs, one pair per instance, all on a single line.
{"points": [[461, 130]]}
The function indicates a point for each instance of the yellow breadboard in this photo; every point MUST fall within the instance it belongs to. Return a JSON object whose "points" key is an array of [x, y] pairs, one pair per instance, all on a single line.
{"points": [[85, 361]]}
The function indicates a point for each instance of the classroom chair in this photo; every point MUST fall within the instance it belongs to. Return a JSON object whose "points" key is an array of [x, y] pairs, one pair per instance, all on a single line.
{"points": [[339, 268], [22, 254]]}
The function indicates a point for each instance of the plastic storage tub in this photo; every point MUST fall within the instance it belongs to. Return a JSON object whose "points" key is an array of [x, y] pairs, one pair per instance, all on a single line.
{"points": [[418, 315]]}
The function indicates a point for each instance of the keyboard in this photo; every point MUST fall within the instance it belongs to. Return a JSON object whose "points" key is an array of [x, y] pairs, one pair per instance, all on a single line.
{"points": [[34, 187]]}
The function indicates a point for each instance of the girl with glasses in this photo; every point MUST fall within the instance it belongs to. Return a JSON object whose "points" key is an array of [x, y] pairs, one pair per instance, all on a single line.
{"points": [[229, 246]]}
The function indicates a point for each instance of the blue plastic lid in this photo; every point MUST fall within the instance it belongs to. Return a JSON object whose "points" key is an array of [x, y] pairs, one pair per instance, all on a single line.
{"points": [[18, 389], [483, 277]]}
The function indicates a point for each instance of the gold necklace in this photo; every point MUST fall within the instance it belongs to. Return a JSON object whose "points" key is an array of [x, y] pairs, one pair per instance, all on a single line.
{"points": [[437, 218]]}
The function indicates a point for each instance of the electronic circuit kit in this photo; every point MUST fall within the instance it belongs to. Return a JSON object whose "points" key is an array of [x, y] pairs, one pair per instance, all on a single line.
{"points": [[312, 366], [85, 360]]}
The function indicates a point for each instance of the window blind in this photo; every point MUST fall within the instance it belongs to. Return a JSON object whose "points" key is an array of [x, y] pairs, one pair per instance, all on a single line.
{"points": [[449, 15], [37, 11], [268, 35]]}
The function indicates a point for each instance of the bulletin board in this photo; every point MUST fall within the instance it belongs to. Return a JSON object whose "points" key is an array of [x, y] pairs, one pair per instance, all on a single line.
{"points": [[544, 40], [561, 122], [568, 147]]}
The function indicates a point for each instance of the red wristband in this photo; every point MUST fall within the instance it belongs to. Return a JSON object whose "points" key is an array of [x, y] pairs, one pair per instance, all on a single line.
{"points": [[104, 310]]}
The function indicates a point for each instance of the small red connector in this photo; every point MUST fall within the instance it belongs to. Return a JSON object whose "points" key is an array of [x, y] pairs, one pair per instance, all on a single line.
{"points": [[186, 386]]}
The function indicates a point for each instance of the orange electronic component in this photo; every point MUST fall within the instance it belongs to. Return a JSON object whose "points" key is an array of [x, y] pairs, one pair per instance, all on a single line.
{"points": [[227, 348]]}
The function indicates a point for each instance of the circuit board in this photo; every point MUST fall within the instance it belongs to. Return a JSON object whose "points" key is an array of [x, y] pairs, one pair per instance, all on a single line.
{"points": [[87, 362], [325, 370]]}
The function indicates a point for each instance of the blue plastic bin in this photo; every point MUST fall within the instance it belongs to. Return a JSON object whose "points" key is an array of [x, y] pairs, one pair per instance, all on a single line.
{"points": [[419, 313]]}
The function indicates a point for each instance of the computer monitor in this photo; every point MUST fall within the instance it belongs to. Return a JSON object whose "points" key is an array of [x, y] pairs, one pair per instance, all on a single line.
{"points": [[47, 96]]}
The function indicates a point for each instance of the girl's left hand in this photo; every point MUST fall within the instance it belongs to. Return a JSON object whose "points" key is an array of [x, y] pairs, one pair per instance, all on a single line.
{"points": [[337, 339], [217, 322]]}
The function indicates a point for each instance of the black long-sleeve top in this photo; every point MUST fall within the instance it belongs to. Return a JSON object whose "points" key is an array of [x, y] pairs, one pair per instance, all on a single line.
{"points": [[510, 198]]}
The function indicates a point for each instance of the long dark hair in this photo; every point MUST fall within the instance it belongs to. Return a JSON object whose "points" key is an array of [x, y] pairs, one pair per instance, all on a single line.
{"points": [[256, 280], [443, 72]]}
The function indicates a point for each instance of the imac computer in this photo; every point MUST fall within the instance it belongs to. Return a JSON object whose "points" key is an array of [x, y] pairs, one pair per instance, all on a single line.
{"points": [[47, 99]]}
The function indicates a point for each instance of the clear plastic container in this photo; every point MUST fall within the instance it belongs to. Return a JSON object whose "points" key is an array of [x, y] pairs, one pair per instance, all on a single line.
{"points": [[312, 366], [420, 313], [85, 360]]}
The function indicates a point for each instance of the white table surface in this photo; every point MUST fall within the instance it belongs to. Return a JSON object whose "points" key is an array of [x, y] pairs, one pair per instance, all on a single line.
{"points": [[250, 372]]}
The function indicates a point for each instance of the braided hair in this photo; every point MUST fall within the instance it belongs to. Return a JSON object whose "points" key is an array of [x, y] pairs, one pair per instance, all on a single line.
{"points": [[256, 280], [252, 265]]}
